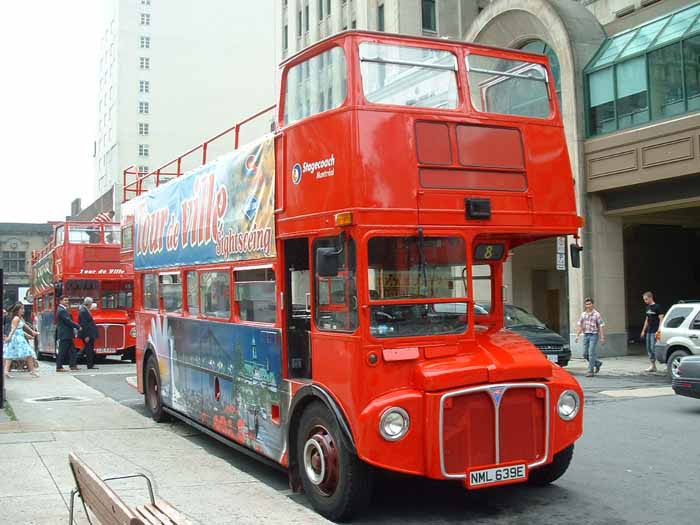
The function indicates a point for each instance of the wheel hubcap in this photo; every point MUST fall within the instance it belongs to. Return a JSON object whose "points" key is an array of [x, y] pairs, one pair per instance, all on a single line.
{"points": [[674, 366], [321, 461]]}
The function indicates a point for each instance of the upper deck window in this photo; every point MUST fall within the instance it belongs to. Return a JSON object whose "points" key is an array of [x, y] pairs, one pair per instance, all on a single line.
{"points": [[84, 235], [316, 85], [409, 76], [112, 234], [509, 87]]}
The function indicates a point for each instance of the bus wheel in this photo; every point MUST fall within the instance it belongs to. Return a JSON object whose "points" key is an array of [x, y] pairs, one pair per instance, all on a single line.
{"points": [[337, 483], [154, 403], [552, 472]]}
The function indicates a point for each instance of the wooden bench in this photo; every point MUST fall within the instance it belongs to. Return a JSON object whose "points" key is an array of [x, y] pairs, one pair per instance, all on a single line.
{"points": [[109, 508]]}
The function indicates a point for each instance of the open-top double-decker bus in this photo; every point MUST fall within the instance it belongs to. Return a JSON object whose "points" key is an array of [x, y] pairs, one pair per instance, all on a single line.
{"points": [[310, 297], [82, 260]]}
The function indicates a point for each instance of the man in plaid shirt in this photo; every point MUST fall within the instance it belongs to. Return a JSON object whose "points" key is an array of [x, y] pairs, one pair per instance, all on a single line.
{"points": [[592, 326]]}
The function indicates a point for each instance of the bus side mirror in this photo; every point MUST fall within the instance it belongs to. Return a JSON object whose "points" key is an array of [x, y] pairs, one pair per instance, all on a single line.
{"points": [[327, 262], [575, 255]]}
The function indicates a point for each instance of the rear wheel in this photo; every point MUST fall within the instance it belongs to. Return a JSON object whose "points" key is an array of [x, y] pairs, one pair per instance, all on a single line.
{"points": [[152, 396], [673, 361], [552, 472], [337, 483]]}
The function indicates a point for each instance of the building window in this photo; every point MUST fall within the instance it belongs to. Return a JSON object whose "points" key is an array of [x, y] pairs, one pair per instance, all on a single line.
{"points": [[353, 24], [144, 108], [143, 129], [429, 16], [144, 63], [306, 18], [144, 150], [144, 86], [14, 261], [145, 19], [285, 37], [320, 9], [380, 18], [143, 170], [145, 42], [647, 73], [299, 23], [145, 2], [328, 7]]}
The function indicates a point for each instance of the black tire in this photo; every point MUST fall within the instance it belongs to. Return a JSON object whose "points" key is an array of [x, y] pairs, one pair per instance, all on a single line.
{"points": [[552, 472], [151, 394], [563, 362], [676, 356], [343, 489]]}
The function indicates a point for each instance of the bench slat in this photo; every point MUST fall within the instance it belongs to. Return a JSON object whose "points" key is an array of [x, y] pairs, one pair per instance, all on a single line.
{"points": [[149, 517], [158, 514], [175, 515]]}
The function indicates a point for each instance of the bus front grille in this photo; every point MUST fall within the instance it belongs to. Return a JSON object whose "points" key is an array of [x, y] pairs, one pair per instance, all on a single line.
{"points": [[492, 425]]}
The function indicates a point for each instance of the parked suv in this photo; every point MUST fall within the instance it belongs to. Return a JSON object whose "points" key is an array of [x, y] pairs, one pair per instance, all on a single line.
{"points": [[679, 335]]}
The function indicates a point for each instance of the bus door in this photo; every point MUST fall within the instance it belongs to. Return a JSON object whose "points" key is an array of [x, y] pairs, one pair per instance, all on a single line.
{"points": [[297, 305]]}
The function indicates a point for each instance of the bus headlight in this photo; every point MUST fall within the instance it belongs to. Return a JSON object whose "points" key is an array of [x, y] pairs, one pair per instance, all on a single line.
{"points": [[394, 424], [568, 405], [132, 333]]}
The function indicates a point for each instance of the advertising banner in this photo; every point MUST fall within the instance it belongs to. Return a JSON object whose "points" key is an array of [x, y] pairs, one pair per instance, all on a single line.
{"points": [[222, 211], [43, 275]]}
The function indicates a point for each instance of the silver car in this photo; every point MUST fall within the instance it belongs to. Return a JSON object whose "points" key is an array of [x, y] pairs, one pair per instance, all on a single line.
{"points": [[679, 335]]}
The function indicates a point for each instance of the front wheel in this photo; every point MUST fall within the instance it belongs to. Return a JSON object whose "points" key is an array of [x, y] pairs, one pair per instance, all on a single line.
{"points": [[337, 483], [552, 472], [152, 397], [674, 361]]}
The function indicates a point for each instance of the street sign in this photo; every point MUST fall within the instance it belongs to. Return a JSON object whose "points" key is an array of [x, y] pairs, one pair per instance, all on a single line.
{"points": [[561, 253]]}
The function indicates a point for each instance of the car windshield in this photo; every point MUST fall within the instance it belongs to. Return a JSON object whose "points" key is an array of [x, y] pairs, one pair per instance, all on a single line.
{"points": [[410, 268], [518, 317]]}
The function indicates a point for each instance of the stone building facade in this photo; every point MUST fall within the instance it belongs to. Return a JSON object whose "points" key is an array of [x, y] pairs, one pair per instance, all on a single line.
{"points": [[17, 241]]}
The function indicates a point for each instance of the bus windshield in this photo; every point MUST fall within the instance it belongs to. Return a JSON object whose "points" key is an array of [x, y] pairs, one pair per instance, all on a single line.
{"points": [[409, 76], [78, 289], [413, 268]]}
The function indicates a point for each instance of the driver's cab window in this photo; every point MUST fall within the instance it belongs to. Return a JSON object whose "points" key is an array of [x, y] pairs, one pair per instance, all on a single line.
{"points": [[482, 288], [336, 294]]}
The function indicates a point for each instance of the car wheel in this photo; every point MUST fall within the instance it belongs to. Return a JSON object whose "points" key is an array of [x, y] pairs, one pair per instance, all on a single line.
{"points": [[552, 472], [337, 483], [152, 397], [674, 360], [563, 362]]}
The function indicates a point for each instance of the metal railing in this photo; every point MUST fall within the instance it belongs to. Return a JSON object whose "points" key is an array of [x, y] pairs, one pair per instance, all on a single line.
{"points": [[174, 168]]}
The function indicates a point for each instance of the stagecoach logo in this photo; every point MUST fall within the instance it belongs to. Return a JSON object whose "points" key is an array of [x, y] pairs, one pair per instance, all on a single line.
{"points": [[497, 393], [296, 173], [251, 165]]}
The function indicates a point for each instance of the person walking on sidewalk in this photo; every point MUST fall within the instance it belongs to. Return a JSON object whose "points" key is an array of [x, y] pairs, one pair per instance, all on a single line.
{"points": [[65, 332], [88, 331], [18, 347], [592, 326], [654, 314]]}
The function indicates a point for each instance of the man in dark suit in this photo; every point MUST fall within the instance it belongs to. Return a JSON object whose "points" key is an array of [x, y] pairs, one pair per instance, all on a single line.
{"points": [[65, 332], [88, 331]]}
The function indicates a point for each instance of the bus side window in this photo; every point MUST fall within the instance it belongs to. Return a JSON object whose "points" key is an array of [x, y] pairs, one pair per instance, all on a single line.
{"points": [[192, 293], [215, 294], [482, 288], [336, 296], [150, 292], [255, 295], [171, 292]]}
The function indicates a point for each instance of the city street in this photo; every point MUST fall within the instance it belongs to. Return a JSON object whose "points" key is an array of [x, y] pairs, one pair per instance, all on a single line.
{"points": [[634, 464]]}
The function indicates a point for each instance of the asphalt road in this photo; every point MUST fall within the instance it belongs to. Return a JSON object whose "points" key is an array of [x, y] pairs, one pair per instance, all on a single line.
{"points": [[637, 463]]}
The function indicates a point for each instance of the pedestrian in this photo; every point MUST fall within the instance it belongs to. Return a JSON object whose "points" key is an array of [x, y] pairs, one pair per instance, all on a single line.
{"points": [[65, 332], [592, 326], [18, 346], [654, 314], [88, 331]]}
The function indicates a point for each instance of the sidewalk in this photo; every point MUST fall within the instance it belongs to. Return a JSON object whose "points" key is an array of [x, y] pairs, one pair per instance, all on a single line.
{"points": [[116, 440], [631, 365]]}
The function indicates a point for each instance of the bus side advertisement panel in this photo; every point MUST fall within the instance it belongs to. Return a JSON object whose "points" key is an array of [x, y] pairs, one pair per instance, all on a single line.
{"points": [[222, 211], [225, 376]]}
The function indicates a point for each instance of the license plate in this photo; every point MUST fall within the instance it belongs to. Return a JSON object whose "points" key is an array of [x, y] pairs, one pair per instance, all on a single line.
{"points": [[105, 350], [553, 358], [489, 477]]}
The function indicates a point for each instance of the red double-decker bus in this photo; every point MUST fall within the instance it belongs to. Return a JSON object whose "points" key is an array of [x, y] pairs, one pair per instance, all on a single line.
{"points": [[311, 296], [83, 260]]}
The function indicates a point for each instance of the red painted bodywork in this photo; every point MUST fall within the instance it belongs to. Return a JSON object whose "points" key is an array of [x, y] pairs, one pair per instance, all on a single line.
{"points": [[389, 164], [99, 261]]}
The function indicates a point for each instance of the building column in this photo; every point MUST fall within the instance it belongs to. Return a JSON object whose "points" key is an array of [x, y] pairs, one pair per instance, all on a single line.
{"points": [[605, 274]]}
